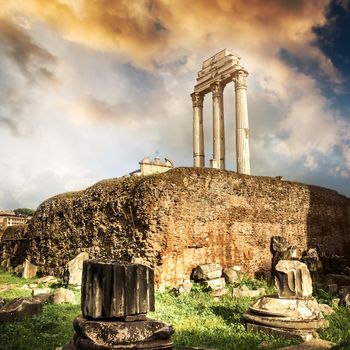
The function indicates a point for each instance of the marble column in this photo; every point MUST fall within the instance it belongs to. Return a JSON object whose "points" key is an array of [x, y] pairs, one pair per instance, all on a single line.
{"points": [[242, 127], [198, 133], [218, 160]]}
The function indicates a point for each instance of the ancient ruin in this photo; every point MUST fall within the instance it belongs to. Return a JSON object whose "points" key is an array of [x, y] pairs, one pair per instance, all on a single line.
{"points": [[218, 71], [114, 302], [293, 312], [182, 218]]}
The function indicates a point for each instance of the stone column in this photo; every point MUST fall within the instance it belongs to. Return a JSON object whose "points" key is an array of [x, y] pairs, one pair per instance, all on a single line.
{"points": [[218, 161], [242, 127], [198, 134]]}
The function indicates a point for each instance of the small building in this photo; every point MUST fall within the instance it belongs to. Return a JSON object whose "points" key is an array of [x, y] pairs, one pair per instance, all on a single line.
{"points": [[10, 218], [148, 167]]}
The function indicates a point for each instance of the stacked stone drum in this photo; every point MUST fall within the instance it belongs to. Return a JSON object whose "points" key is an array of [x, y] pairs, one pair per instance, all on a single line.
{"points": [[115, 298]]}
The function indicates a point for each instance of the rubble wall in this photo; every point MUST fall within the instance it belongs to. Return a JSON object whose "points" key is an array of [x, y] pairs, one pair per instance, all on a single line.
{"points": [[179, 219]]}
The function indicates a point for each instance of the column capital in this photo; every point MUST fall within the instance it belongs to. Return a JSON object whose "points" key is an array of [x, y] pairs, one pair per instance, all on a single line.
{"points": [[197, 99], [217, 88], [240, 79]]}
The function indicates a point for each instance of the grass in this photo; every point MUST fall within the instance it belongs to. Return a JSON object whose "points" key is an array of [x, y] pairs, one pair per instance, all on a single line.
{"points": [[199, 320]]}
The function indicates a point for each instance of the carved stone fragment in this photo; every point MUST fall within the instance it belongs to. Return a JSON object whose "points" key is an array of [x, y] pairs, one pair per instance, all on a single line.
{"points": [[293, 280]]}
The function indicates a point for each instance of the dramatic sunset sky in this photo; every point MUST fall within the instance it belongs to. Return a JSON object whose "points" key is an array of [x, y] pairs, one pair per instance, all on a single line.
{"points": [[90, 87]]}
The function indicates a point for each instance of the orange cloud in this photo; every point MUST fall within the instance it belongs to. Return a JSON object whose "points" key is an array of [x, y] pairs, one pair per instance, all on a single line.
{"points": [[146, 31]]}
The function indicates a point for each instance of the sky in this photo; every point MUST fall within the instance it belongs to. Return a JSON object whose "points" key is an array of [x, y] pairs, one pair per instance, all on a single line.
{"points": [[88, 88]]}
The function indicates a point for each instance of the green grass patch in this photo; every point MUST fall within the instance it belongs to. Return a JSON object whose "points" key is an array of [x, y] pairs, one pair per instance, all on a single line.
{"points": [[199, 321]]}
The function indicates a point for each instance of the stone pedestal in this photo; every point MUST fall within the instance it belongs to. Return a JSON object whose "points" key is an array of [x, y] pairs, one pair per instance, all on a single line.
{"points": [[293, 313], [115, 299]]}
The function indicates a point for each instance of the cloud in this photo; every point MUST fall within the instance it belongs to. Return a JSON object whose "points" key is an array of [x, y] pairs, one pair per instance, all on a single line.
{"points": [[127, 69], [32, 60]]}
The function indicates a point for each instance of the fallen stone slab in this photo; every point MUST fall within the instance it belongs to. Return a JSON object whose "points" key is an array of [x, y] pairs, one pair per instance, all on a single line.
{"points": [[314, 344], [114, 333], [19, 309]]}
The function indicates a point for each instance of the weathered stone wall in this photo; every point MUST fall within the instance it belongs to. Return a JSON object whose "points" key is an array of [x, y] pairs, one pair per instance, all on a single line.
{"points": [[179, 219]]}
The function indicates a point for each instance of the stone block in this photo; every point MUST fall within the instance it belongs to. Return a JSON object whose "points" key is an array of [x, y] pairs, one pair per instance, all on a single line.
{"points": [[232, 274], [19, 309], [39, 291], [279, 244], [116, 290], [214, 284], [332, 288], [63, 295], [47, 280], [293, 279], [326, 309], [75, 268], [114, 333], [19, 270], [219, 292], [184, 288], [343, 290], [29, 270], [206, 272], [345, 300], [245, 292]]}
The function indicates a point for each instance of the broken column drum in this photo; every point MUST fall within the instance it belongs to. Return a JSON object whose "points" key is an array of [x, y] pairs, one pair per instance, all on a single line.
{"points": [[216, 73], [116, 290], [114, 300]]}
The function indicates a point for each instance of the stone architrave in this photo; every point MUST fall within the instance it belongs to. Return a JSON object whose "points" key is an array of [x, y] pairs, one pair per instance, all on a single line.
{"points": [[116, 290], [75, 268], [293, 280]]}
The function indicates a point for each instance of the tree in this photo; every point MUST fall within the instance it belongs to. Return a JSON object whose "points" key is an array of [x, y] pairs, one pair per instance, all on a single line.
{"points": [[24, 211]]}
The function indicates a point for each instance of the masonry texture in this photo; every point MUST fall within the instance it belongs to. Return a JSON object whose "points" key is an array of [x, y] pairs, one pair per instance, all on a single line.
{"points": [[179, 219]]}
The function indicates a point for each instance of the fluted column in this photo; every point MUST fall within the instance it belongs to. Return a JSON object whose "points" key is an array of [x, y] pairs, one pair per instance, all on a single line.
{"points": [[242, 126], [198, 134], [218, 160]]}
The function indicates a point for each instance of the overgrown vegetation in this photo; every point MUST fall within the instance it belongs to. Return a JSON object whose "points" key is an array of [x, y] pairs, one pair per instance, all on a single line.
{"points": [[199, 320]]}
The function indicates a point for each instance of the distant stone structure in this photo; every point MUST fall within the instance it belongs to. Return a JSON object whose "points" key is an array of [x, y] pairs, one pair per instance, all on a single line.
{"points": [[10, 218], [181, 219], [218, 71], [149, 167]]}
